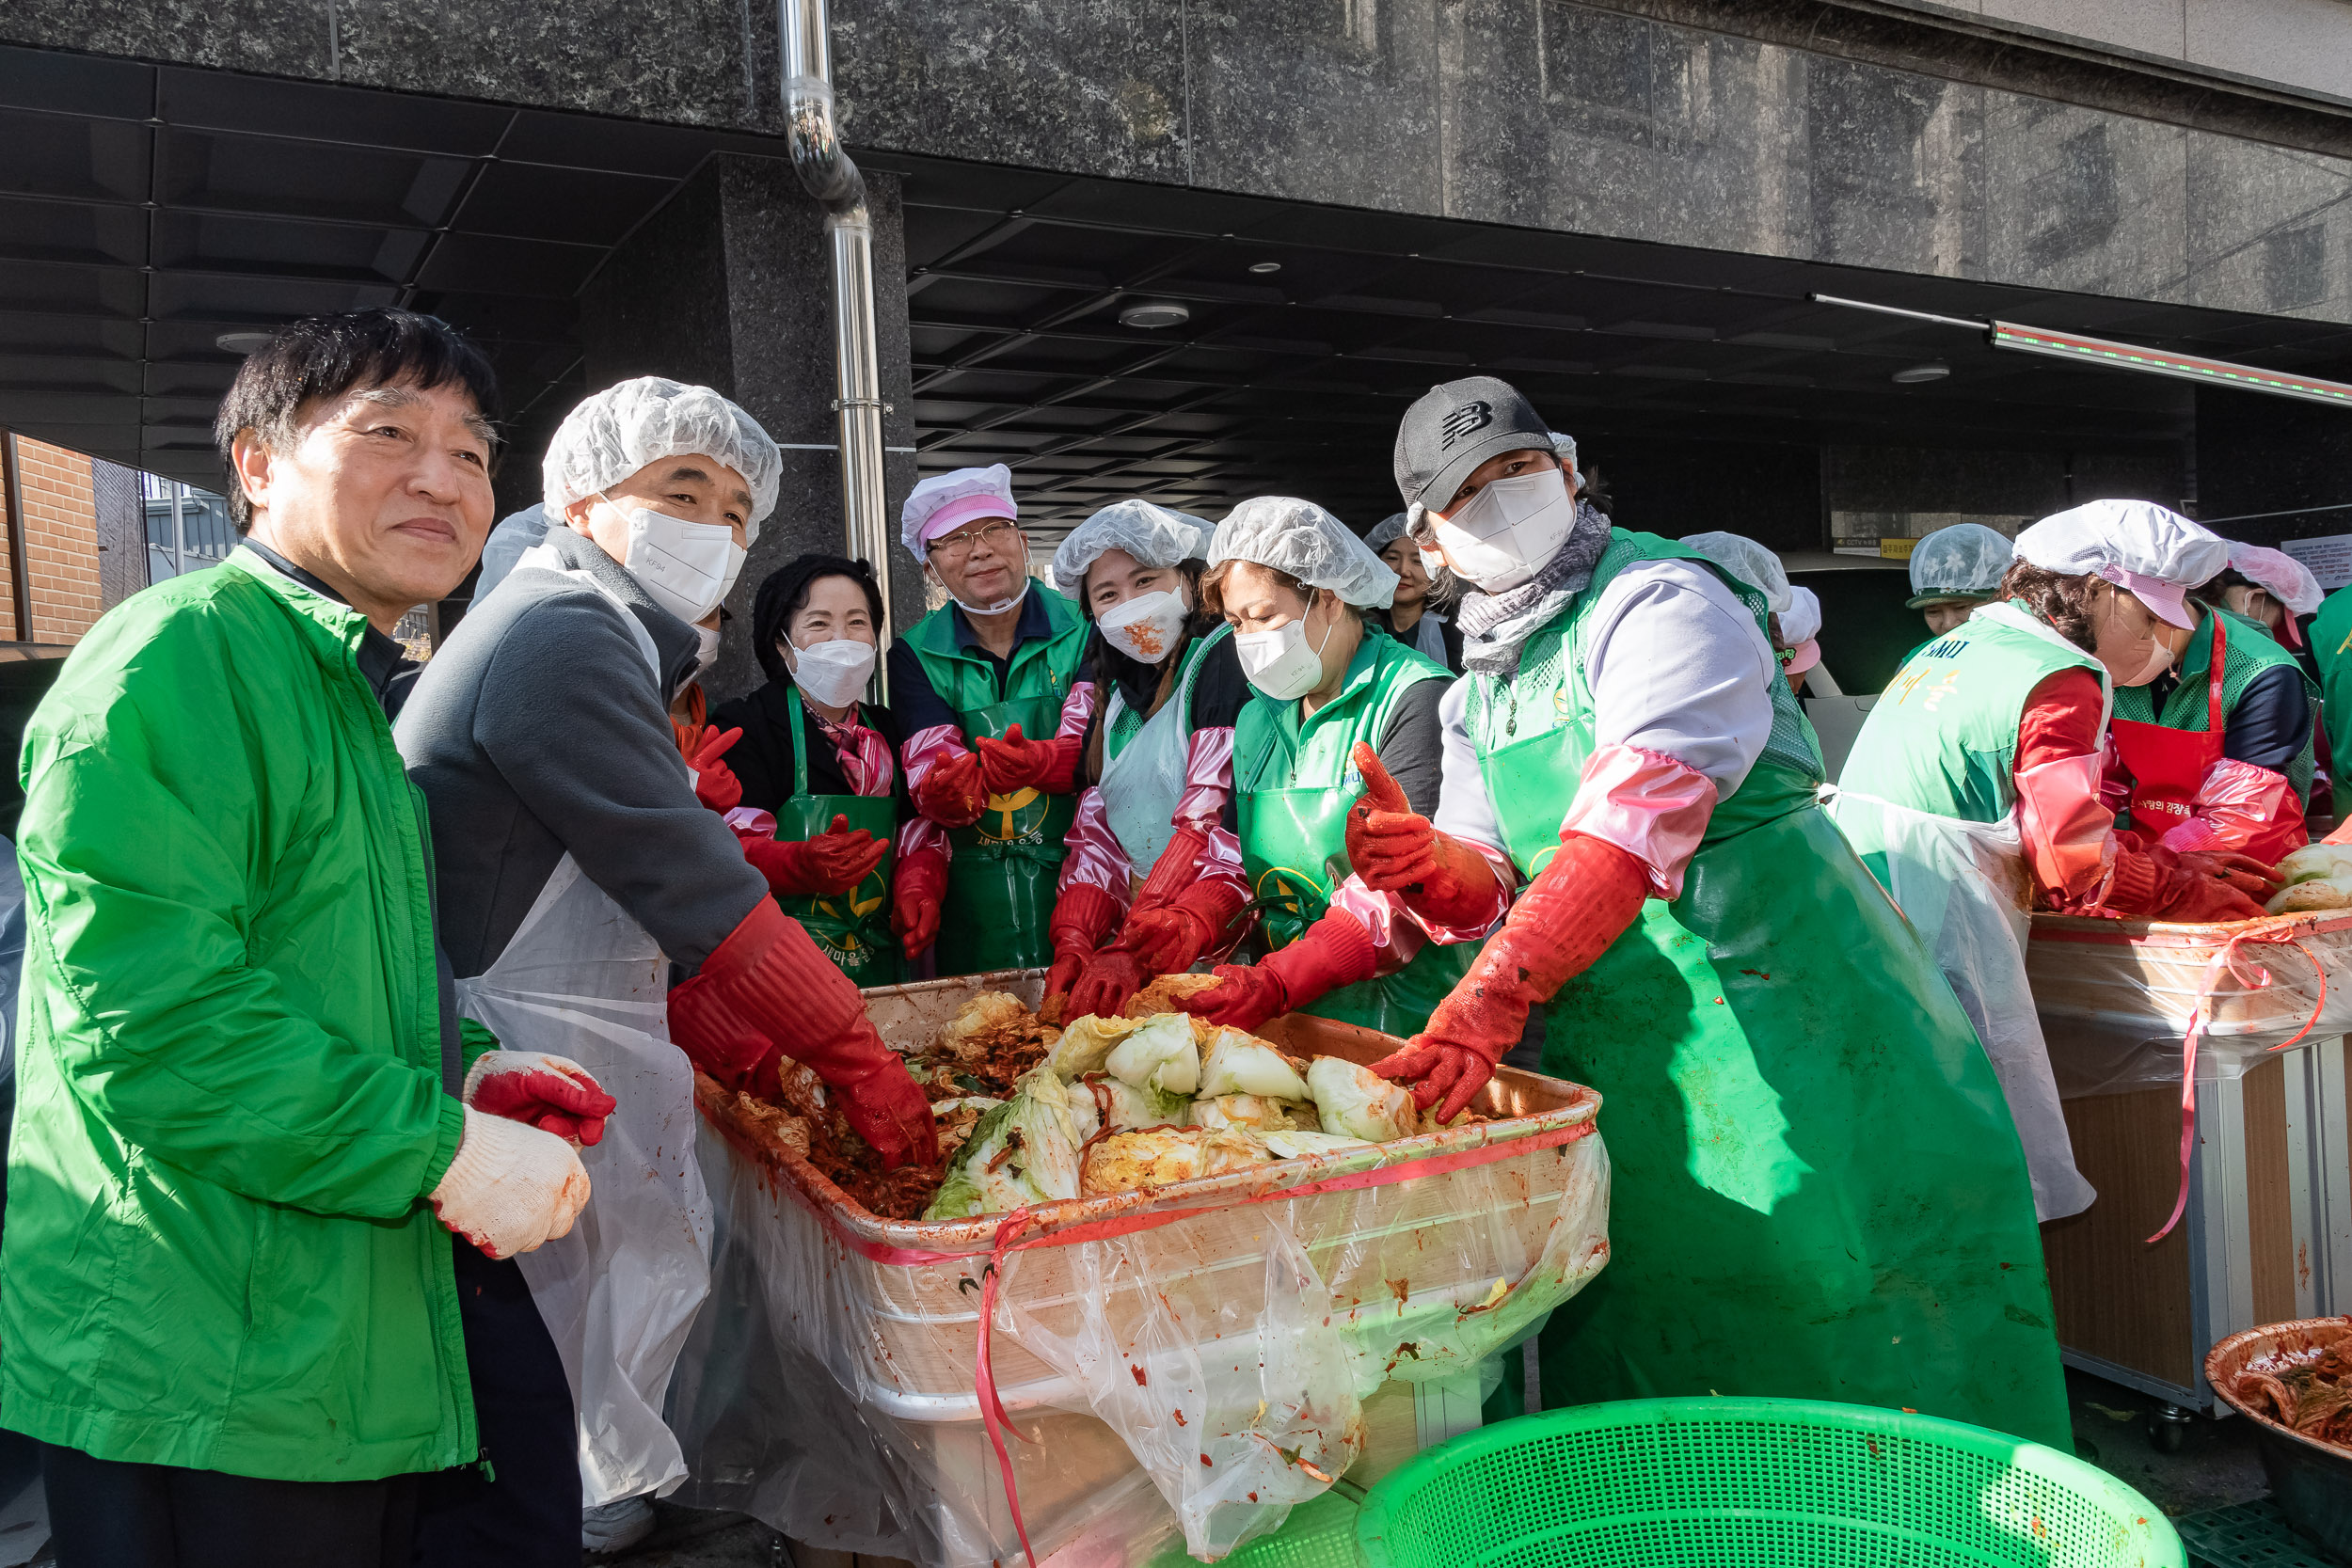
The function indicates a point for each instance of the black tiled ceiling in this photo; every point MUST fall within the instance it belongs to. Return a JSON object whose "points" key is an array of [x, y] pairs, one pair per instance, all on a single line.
{"points": [[1292, 380], [146, 212]]}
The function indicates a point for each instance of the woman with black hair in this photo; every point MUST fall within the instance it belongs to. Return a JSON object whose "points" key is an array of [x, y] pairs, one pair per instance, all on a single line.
{"points": [[1152, 851], [823, 798]]}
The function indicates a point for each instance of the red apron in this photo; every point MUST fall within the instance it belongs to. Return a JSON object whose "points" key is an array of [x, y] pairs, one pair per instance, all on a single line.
{"points": [[2168, 767]]}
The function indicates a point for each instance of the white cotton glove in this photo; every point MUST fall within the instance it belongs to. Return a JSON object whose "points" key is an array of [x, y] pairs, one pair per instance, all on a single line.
{"points": [[512, 1187], [555, 1093]]}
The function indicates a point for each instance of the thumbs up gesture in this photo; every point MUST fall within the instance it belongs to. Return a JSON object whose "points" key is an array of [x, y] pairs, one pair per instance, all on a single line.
{"points": [[1396, 849], [1389, 843]]}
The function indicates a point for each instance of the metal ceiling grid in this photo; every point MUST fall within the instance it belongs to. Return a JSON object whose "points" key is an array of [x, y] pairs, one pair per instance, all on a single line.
{"points": [[1292, 379]]}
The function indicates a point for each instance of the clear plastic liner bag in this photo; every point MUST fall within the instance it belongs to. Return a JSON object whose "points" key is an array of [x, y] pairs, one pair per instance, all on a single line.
{"points": [[580, 980], [2116, 998], [829, 1387]]}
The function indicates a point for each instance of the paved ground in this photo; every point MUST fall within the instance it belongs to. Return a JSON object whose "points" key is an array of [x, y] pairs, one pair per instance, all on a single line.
{"points": [[2214, 1466]]}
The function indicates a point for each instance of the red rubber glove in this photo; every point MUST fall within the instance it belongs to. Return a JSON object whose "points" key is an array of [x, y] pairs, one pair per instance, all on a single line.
{"points": [[2245, 872], [1014, 763], [1567, 917], [1395, 849], [917, 884], [833, 862], [766, 985], [555, 1093], [1104, 983], [2196, 893], [1083, 914], [715, 783], [1336, 951], [951, 794]]}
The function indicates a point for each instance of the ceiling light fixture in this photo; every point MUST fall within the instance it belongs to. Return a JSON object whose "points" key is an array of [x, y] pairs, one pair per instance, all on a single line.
{"points": [[1157, 313], [1913, 375], [243, 342], [1263, 267]]}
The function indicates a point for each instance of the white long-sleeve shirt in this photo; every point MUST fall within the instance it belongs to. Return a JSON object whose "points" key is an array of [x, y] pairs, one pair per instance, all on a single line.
{"points": [[1676, 666]]}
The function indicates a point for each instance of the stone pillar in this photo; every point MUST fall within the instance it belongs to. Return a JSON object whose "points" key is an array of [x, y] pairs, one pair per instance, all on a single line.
{"points": [[730, 284]]}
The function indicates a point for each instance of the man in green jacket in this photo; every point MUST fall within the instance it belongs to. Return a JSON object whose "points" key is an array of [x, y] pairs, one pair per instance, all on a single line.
{"points": [[225, 1288]]}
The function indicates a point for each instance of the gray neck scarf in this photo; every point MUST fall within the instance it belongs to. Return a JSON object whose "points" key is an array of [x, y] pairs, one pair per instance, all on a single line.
{"points": [[1495, 625]]}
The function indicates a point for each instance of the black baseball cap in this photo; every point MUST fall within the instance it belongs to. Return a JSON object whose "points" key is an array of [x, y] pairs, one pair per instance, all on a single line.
{"points": [[1456, 425]]}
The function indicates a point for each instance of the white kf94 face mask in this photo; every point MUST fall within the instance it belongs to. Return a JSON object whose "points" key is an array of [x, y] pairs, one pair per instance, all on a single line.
{"points": [[1279, 662], [832, 673], [1146, 627], [686, 568], [1508, 530]]}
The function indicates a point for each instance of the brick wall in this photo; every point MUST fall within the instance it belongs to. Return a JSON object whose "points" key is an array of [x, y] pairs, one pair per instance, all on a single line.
{"points": [[61, 542]]}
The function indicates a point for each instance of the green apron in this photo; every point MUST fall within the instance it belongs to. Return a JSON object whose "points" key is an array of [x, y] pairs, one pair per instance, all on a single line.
{"points": [[851, 928], [1294, 783], [1816, 1190], [1001, 881]]}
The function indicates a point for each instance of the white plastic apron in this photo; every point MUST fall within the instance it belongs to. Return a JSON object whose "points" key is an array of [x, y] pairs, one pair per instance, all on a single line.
{"points": [[1142, 783], [1966, 889], [582, 979]]}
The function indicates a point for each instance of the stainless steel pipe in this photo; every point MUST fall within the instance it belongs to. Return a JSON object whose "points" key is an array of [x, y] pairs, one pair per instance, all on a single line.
{"points": [[828, 175]]}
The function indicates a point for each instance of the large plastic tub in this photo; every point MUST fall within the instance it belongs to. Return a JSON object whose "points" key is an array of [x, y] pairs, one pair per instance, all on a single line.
{"points": [[1752, 1482], [1201, 1350], [2311, 1481]]}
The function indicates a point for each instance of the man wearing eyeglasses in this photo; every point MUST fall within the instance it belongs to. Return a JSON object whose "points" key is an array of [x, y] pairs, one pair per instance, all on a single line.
{"points": [[993, 700]]}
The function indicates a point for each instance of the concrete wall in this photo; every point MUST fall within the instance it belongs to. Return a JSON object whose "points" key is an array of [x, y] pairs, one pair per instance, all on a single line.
{"points": [[2302, 46], [1781, 128]]}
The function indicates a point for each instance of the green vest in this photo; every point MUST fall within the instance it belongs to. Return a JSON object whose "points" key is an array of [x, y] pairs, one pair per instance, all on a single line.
{"points": [[1295, 781], [2252, 652], [1817, 1191], [1943, 736], [1001, 884], [2332, 646], [851, 928]]}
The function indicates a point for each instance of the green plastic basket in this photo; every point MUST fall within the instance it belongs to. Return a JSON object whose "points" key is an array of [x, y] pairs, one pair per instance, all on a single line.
{"points": [[1319, 1533], [1754, 1483]]}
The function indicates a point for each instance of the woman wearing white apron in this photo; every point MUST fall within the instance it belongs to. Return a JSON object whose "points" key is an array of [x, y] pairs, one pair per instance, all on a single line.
{"points": [[1973, 791], [1152, 855], [574, 865]]}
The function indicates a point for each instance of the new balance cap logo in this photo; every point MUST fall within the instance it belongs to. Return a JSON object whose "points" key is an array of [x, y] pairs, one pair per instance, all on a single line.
{"points": [[1462, 421]]}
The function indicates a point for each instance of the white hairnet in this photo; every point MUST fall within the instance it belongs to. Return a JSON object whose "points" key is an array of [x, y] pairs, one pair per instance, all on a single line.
{"points": [[2135, 538], [2279, 574], [1299, 537], [1386, 532], [949, 501], [1748, 560], [1801, 621], [617, 432], [1963, 562], [1564, 447], [1154, 535]]}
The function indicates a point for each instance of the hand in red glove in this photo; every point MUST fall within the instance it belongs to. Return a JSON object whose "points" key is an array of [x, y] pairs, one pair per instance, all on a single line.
{"points": [[917, 887], [715, 783], [1083, 915], [555, 1093], [766, 987], [1104, 983], [1336, 951], [951, 793], [1014, 763], [1395, 849], [2245, 872], [833, 862], [1565, 920], [2198, 895]]}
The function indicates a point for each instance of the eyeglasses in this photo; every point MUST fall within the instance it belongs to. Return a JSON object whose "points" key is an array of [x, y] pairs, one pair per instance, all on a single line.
{"points": [[997, 536]]}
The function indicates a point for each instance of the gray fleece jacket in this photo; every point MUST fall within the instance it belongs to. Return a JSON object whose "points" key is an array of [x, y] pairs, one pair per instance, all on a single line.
{"points": [[539, 728]]}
